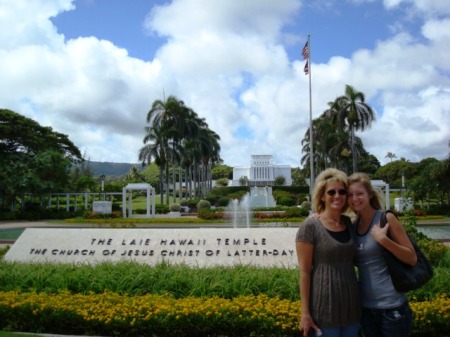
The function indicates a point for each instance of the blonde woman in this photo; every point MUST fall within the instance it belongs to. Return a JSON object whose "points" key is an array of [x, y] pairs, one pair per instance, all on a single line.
{"points": [[386, 312], [325, 247]]}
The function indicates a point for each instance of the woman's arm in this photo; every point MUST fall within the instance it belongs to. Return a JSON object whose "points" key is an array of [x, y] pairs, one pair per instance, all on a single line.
{"points": [[397, 242], [305, 258]]}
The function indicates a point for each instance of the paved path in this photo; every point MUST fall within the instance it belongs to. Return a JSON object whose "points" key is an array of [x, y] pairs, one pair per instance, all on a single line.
{"points": [[62, 224]]}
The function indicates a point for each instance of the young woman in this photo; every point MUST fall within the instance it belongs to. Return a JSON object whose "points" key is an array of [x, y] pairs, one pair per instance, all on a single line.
{"points": [[386, 312], [325, 251]]}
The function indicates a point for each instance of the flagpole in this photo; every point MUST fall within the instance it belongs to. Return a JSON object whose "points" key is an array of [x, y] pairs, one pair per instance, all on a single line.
{"points": [[311, 147]]}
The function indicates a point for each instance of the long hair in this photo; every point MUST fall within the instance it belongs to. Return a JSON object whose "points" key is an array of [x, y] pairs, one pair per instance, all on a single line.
{"points": [[330, 175], [375, 198]]}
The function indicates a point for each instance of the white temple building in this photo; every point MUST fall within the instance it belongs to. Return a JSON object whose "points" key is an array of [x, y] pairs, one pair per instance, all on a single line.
{"points": [[262, 172]]}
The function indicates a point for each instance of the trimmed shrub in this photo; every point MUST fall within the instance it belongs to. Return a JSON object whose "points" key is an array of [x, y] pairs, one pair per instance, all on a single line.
{"points": [[207, 214], [286, 201], [175, 207], [306, 205], [223, 182], [223, 202], [203, 204], [184, 202]]}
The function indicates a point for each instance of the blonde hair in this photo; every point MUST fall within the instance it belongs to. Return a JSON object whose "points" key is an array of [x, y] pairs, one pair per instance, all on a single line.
{"points": [[376, 200], [330, 175]]}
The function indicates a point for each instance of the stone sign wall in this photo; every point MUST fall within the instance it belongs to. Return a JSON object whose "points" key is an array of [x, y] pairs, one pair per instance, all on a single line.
{"points": [[104, 207], [202, 247]]}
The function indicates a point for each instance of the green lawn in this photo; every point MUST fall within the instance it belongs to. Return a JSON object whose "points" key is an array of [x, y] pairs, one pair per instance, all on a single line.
{"points": [[14, 334], [10, 234]]}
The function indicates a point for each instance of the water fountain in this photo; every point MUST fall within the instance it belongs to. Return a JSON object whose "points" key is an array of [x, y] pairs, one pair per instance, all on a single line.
{"points": [[240, 212]]}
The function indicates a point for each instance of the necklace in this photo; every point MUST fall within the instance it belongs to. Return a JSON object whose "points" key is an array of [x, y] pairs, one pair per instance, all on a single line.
{"points": [[336, 222]]}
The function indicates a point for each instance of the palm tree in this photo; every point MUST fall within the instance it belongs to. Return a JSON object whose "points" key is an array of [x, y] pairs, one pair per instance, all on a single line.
{"points": [[202, 151], [155, 150], [351, 112], [180, 137], [188, 128], [322, 130], [210, 156], [391, 156], [332, 145], [169, 116]]}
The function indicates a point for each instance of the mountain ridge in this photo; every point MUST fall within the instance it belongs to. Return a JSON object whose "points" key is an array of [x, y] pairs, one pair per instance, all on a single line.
{"points": [[111, 168]]}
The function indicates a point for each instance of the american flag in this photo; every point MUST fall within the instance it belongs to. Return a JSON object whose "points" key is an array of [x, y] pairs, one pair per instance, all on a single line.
{"points": [[306, 69], [305, 51]]}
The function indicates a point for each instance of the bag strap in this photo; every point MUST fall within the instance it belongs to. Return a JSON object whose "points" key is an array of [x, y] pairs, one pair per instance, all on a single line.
{"points": [[383, 218]]}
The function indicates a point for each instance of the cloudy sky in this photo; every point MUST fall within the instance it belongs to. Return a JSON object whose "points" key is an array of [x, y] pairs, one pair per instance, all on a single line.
{"points": [[92, 68]]}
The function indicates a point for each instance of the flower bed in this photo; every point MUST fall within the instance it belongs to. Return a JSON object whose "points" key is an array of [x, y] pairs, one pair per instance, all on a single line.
{"points": [[112, 314]]}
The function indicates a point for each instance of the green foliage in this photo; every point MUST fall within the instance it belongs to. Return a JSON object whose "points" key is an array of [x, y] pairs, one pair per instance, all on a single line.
{"points": [[137, 279], [222, 172], [178, 280], [300, 190], [296, 212], [392, 172], [284, 198], [207, 214], [286, 201], [433, 250], [3, 251], [131, 299], [223, 202], [160, 209], [192, 203], [203, 204], [175, 207], [227, 191], [33, 159], [306, 205], [298, 177], [243, 181], [222, 182], [280, 181], [368, 163]]}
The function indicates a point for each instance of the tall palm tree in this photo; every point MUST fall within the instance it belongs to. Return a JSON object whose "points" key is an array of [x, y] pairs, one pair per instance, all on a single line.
{"points": [[211, 155], [184, 139], [188, 128], [331, 145], [391, 155], [168, 115], [353, 113], [326, 138], [156, 150]]}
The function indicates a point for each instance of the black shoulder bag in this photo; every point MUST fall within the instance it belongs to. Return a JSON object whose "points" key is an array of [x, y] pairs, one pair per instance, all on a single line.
{"points": [[406, 277]]}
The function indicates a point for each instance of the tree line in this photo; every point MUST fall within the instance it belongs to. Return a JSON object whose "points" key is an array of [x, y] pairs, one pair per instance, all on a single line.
{"points": [[177, 137], [336, 145], [180, 149]]}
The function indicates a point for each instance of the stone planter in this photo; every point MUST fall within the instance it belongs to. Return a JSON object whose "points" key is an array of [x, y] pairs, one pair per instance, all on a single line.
{"points": [[174, 214]]}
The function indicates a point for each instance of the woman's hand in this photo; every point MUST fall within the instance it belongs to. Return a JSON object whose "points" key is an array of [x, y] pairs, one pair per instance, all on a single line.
{"points": [[307, 323], [379, 234]]}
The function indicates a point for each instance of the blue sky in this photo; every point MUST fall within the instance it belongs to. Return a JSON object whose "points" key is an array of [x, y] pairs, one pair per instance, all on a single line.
{"points": [[92, 68], [337, 28]]}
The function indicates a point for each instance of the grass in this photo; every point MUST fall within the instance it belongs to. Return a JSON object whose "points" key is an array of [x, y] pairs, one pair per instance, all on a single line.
{"points": [[15, 334], [136, 279]]}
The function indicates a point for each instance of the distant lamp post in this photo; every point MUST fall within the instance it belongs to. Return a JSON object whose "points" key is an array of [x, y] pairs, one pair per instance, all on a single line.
{"points": [[102, 179]]}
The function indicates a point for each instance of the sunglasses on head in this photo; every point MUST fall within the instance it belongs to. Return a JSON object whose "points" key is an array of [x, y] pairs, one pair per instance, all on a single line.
{"points": [[340, 192]]}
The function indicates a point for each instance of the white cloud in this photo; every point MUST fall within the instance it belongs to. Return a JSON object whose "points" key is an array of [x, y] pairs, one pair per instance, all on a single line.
{"points": [[226, 61]]}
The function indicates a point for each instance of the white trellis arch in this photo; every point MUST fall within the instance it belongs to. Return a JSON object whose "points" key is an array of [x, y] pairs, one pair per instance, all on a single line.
{"points": [[381, 185], [127, 205]]}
